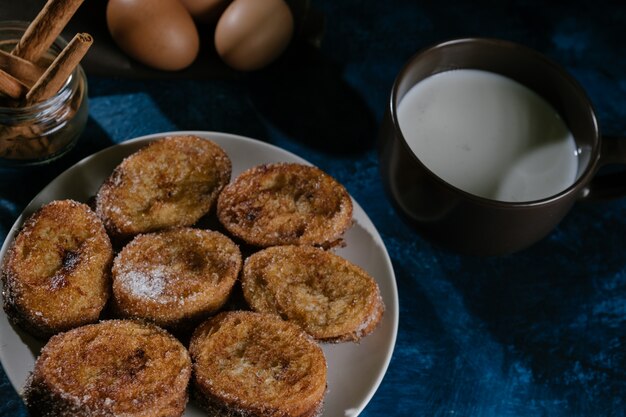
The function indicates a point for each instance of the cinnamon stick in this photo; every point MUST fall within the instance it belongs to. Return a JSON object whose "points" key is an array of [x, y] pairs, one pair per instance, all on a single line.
{"points": [[10, 85], [25, 71], [45, 28], [60, 69]]}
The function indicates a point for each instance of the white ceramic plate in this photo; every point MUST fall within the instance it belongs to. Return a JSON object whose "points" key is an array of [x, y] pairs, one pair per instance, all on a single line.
{"points": [[354, 370]]}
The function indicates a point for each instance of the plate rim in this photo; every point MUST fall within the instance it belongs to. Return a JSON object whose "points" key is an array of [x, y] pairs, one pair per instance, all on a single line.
{"points": [[28, 209]]}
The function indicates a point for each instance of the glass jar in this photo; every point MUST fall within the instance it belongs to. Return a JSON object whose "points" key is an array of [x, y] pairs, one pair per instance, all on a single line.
{"points": [[46, 130]]}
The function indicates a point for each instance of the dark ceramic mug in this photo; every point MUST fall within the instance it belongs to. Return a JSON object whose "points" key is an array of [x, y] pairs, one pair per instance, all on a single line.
{"points": [[476, 225]]}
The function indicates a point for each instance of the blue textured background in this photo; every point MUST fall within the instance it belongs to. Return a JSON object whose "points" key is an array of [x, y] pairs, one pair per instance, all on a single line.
{"points": [[541, 332]]}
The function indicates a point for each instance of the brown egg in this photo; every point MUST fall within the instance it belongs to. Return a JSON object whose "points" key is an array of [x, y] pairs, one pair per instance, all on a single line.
{"points": [[206, 11], [158, 33], [252, 33]]}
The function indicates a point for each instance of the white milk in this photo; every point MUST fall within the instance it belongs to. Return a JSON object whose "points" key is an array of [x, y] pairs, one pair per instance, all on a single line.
{"points": [[488, 135]]}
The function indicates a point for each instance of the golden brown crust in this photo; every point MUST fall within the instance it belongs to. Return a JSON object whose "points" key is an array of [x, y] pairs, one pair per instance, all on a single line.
{"points": [[172, 182], [175, 277], [330, 298], [285, 203], [113, 368], [56, 274], [256, 365], [214, 407]]}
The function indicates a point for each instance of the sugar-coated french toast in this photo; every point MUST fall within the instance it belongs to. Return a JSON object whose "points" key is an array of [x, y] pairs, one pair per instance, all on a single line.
{"points": [[175, 277], [249, 364], [332, 299], [56, 274], [285, 203], [112, 368], [172, 182]]}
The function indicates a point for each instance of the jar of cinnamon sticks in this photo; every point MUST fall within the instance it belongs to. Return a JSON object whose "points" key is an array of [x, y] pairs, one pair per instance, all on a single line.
{"points": [[39, 126]]}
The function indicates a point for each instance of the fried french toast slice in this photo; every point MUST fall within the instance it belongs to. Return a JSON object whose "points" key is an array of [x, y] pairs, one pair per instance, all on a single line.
{"points": [[56, 274], [283, 204], [256, 365], [171, 182], [112, 368], [175, 277], [331, 298]]}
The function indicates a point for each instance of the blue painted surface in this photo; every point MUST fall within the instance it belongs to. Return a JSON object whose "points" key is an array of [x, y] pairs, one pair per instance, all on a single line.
{"points": [[541, 332]]}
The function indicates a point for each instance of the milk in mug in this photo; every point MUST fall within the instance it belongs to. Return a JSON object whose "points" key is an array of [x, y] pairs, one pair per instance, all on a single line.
{"points": [[488, 135]]}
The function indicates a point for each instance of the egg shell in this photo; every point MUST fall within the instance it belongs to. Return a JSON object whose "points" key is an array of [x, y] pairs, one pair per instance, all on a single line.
{"points": [[206, 11], [158, 33], [250, 34]]}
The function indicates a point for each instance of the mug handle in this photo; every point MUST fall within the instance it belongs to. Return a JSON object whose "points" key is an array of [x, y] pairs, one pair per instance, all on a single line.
{"points": [[609, 185]]}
